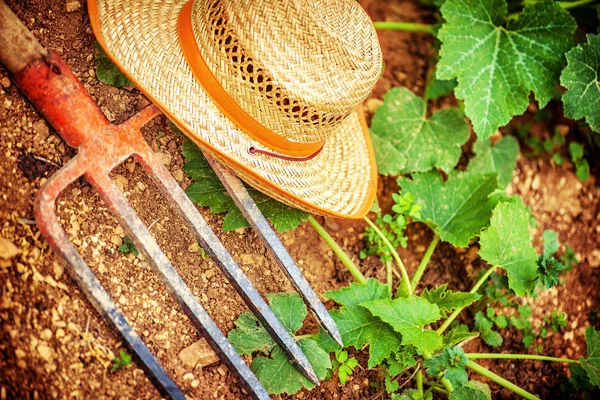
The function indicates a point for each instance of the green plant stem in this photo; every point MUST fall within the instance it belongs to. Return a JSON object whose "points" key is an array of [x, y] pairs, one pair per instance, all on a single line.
{"points": [[307, 336], [389, 276], [447, 385], [420, 381], [500, 380], [394, 254], [475, 356], [403, 26], [573, 4], [456, 312], [352, 268], [424, 261]]}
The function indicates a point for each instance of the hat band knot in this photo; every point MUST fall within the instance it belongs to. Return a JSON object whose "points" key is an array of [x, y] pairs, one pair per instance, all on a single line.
{"points": [[228, 106]]}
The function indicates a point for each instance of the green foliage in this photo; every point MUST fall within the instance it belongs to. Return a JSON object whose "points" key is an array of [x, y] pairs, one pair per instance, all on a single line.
{"points": [[580, 78], [409, 317], [569, 259], [500, 158], [128, 247], [582, 168], [447, 300], [591, 364], [439, 88], [343, 365], [107, 72], [499, 62], [507, 244], [551, 242], [556, 320], [473, 390], [456, 210], [121, 361], [548, 271], [485, 327], [208, 191], [271, 366], [458, 335], [358, 326], [405, 140], [451, 362]]}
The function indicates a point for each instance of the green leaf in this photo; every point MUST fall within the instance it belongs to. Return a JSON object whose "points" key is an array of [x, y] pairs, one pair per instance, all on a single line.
{"points": [[456, 210], [447, 300], [128, 247], [500, 158], [425, 143], [278, 375], [208, 191], [484, 326], [507, 244], [458, 335], [401, 360], [107, 72], [591, 364], [551, 242], [356, 324], [439, 88], [498, 63], [474, 390], [409, 316], [250, 336], [451, 362], [580, 78]]}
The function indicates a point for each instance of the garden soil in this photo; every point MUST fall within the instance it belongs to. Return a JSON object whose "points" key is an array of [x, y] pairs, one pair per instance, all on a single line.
{"points": [[54, 345]]}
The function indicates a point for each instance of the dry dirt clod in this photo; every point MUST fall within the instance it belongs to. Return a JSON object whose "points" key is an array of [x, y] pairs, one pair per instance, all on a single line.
{"points": [[73, 6], [594, 258], [45, 352], [7, 249], [198, 353]]}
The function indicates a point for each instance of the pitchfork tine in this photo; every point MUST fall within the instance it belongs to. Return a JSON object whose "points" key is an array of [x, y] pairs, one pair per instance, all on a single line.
{"points": [[213, 246], [259, 223]]}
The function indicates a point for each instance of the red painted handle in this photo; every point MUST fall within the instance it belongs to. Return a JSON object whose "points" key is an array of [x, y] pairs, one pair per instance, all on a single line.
{"points": [[56, 92]]}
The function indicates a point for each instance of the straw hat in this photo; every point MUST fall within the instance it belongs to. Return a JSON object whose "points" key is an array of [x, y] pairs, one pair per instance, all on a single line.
{"points": [[272, 88]]}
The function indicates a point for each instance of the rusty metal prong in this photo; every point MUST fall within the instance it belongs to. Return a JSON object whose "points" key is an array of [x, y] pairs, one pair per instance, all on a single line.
{"points": [[259, 223], [81, 273], [236, 276], [146, 244]]}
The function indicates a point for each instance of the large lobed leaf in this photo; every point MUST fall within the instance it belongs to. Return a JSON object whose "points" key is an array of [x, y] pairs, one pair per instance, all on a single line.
{"points": [[456, 210], [507, 244], [358, 326], [580, 77], [447, 300], [405, 140], [208, 191], [500, 158], [591, 364], [409, 316], [498, 63]]}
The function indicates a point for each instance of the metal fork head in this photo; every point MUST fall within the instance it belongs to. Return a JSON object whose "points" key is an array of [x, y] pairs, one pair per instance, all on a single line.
{"points": [[61, 98]]}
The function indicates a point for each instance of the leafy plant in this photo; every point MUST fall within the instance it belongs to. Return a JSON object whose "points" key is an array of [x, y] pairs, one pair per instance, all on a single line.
{"points": [[128, 247], [107, 72], [121, 361], [582, 168], [343, 365]]}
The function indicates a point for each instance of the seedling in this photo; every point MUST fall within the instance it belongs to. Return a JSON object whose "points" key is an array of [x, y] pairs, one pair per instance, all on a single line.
{"points": [[121, 361], [343, 365], [128, 247]]}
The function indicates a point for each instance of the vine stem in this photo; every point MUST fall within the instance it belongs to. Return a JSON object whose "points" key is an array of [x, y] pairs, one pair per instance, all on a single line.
{"points": [[500, 380], [389, 276], [352, 268], [456, 312], [420, 381], [424, 261], [573, 4], [475, 356], [394, 254], [403, 26]]}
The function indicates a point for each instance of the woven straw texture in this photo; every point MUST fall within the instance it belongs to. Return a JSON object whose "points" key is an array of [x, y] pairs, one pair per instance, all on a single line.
{"points": [[310, 62], [142, 37]]}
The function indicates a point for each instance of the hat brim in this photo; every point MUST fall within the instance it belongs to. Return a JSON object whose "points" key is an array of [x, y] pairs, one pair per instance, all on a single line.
{"points": [[141, 38]]}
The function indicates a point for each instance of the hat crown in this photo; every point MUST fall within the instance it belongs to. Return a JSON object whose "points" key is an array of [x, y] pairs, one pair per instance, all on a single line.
{"points": [[299, 67]]}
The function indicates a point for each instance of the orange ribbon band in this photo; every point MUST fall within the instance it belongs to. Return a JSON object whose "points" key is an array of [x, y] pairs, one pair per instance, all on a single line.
{"points": [[228, 106]]}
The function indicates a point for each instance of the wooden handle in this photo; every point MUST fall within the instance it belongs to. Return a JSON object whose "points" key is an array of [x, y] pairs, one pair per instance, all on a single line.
{"points": [[18, 46]]}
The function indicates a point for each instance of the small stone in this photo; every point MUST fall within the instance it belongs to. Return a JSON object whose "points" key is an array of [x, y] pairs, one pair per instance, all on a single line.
{"points": [[164, 158], [188, 376], [222, 370], [116, 240], [5, 82], [19, 353], [41, 128], [195, 383], [45, 352], [198, 353], [373, 104], [130, 167], [594, 258], [46, 334], [60, 333], [7, 249], [73, 6], [178, 175], [59, 270]]}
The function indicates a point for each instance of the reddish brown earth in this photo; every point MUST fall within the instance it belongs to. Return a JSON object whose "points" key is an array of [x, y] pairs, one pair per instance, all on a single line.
{"points": [[54, 345]]}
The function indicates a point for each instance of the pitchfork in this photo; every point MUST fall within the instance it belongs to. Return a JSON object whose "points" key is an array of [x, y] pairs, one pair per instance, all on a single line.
{"points": [[52, 87]]}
